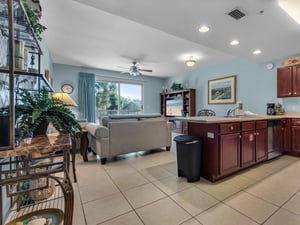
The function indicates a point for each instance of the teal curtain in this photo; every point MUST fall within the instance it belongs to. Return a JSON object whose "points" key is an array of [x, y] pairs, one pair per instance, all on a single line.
{"points": [[86, 97]]}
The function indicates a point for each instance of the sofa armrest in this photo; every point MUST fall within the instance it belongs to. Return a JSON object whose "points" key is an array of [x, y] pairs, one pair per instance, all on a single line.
{"points": [[97, 130], [170, 126]]}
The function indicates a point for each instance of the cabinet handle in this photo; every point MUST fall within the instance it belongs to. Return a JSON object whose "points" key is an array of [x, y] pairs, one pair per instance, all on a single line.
{"points": [[290, 93], [295, 93], [257, 133], [231, 128], [298, 121]]}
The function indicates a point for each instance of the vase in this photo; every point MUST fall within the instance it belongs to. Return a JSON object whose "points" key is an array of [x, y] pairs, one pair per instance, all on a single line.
{"points": [[4, 131], [41, 129]]}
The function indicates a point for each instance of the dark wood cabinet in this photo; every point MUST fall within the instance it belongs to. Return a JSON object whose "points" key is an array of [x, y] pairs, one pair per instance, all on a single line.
{"points": [[295, 136], [229, 153], [261, 141], [248, 144], [291, 136], [178, 103], [284, 81], [288, 81], [230, 147], [254, 146], [186, 99], [286, 135], [296, 80]]}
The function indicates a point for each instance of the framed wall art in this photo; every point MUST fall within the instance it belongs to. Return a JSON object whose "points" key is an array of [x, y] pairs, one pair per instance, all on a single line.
{"points": [[222, 90]]}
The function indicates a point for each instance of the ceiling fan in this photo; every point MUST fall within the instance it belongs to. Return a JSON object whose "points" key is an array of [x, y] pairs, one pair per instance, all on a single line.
{"points": [[135, 70]]}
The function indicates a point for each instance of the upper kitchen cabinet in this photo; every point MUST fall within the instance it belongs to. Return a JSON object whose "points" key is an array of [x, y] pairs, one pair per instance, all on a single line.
{"points": [[288, 81]]}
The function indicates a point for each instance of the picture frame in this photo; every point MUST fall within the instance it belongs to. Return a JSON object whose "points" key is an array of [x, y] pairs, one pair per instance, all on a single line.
{"points": [[222, 90], [48, 77]]}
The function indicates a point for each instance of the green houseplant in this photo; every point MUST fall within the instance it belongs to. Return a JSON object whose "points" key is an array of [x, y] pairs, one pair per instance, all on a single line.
{"points": [[37, 111], [176, 86], [34, 18]]}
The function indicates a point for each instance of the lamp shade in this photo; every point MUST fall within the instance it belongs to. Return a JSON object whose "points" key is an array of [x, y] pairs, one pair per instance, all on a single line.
{"points": [[65, 98]]}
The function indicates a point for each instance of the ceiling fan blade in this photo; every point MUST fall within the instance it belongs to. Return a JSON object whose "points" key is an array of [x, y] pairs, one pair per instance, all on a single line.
{"points": [[145, 70], [122, 67]]}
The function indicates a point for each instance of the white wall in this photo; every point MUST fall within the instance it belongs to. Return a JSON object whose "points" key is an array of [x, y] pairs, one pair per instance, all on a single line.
{"points": [[46, 60]]}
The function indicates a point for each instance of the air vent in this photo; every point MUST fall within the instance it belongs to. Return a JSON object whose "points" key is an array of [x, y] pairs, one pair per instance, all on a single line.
{"points": [[236, 13]]}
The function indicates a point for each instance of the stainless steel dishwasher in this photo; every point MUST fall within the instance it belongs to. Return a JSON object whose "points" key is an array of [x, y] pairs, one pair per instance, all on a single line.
{"points": [[275, 138]]}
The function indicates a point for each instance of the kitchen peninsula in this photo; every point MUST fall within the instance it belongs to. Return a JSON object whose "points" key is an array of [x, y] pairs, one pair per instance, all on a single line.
{"points": [[232, 144]]}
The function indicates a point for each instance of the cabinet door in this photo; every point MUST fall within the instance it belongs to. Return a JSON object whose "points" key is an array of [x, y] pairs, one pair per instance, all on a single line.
{"points": [[229, 153], [248, 148], [286, 133], [284, 81], [296, 138], [296, 80], [261, 143]]}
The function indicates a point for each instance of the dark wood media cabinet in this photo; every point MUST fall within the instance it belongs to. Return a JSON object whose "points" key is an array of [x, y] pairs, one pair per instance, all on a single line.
{"points": [[188, 107]]}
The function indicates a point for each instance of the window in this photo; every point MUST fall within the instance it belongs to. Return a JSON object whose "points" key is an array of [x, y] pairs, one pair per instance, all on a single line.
{"points": [[118, 98]]}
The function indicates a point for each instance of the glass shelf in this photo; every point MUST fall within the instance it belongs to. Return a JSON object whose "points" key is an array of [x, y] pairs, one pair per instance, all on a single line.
{"points": [[22, 28], [27, 80]]}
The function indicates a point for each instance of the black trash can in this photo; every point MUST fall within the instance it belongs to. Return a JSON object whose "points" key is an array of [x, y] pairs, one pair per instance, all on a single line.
{"points": [[189, 149]]}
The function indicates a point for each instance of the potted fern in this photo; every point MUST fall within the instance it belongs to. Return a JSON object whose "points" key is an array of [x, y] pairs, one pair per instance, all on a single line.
{"points": [[37, 111]]}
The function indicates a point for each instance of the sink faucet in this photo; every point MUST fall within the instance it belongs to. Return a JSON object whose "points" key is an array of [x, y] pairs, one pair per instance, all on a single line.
{"points": [[231, 111]]}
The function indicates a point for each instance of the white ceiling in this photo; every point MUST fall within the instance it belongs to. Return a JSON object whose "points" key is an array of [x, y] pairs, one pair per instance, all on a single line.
{"points": [[161, 34]]}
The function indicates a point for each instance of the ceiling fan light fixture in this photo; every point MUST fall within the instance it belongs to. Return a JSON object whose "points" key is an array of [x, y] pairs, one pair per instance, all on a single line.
{"points": [[135, 73], [292, 8], [190, 62]]}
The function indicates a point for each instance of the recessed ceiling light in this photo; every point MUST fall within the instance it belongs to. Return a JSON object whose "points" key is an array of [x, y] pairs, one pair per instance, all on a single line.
{"points": [[203, 29], [257, 52], [234, 42]]}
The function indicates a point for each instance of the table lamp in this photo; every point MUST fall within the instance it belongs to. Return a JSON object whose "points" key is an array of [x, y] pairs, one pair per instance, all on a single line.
{"points": [[65, 98]]}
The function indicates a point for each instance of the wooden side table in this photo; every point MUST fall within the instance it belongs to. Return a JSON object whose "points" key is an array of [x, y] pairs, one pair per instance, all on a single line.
{"points": [[84, 143], [16, 167]]}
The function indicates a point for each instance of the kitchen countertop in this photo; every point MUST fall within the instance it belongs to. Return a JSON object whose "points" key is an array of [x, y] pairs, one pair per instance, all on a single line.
{"points": [[223, 119]]}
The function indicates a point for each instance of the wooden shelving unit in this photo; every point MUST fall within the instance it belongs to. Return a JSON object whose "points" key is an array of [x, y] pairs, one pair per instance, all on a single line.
{"points": [[187, 99], [27, 170]]}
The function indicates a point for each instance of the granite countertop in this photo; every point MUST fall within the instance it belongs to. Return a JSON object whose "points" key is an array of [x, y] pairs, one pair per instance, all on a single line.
{"points": [[40, 144], [223, 119]]}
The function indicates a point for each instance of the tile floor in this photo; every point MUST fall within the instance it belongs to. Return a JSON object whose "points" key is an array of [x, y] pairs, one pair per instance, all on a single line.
{"points": [[144, 189]]}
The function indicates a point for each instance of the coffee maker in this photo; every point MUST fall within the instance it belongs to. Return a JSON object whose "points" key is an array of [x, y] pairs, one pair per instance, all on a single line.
{"points": [[271, 109]]}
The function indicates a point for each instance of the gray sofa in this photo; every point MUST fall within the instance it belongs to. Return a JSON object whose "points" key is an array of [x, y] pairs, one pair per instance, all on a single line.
{"points": [[118, 135]]}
